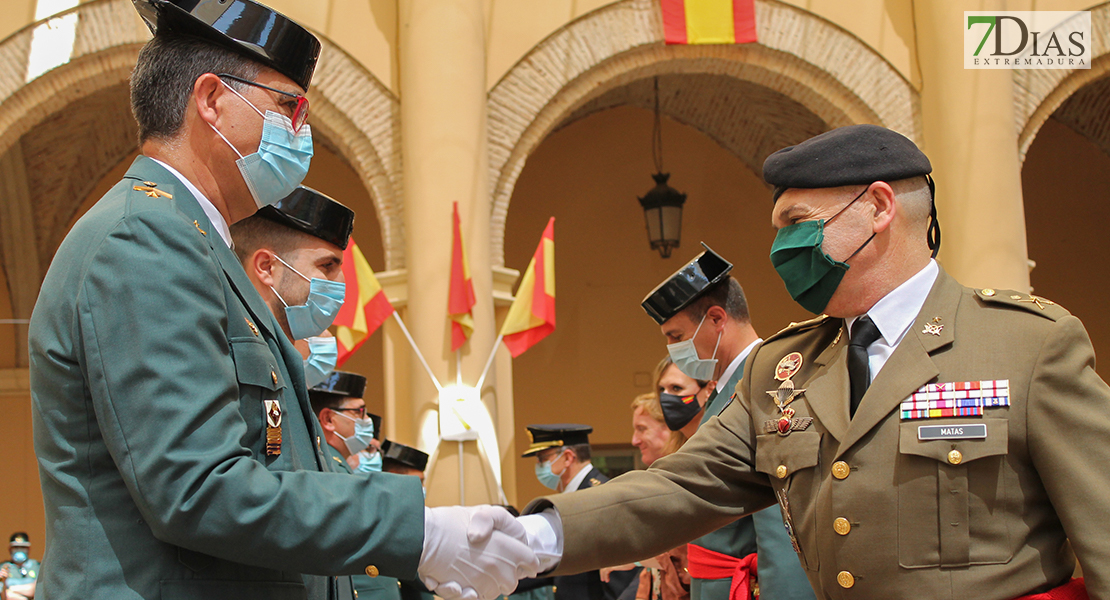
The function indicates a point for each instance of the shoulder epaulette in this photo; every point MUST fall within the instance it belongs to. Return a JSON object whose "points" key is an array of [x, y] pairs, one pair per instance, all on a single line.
{"points": [[798, 327], [1029, 302]]}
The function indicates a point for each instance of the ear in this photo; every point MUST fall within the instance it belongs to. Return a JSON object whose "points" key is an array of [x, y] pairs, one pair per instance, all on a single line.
{"points": [[327, 420], [718, 317], [207, 92], [882, 197], [262, 264]]}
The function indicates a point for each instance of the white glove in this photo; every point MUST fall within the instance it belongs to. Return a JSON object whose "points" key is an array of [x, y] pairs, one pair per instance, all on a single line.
{"points": [[474, 553]]}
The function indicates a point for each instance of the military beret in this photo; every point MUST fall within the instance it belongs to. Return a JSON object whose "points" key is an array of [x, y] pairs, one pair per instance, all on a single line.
{"points": [[686, 285], [856, 154], [406, 455], [543, 437], [316, 214], [243, 26]]}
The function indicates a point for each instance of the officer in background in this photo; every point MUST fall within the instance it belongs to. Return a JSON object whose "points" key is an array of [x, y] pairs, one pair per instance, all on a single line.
{"points": [[702, 311], [924, 439], [292, 252], [349, 429], [405, 460], [176, 449], [21, 572], [563, 464]]}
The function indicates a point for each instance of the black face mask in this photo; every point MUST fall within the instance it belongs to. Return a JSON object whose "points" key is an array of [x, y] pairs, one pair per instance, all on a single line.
{"points": [[678, 411]]}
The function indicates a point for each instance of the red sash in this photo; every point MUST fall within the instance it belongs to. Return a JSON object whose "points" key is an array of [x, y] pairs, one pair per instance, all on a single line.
{"points": [[707, 564], [1072, 590]]}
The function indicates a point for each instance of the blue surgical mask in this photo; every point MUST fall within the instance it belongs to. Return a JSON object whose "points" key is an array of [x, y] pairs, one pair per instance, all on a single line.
{"points": [[364, 432], [19, 557], [325, 298], [322, 354], [369, 463], [282, 159], [547, 477], [685, 356]]}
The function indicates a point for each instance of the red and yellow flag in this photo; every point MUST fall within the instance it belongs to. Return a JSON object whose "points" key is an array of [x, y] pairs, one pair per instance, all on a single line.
{"points": [[709, 21], [532, 315], [460, 296], [365, 305]]}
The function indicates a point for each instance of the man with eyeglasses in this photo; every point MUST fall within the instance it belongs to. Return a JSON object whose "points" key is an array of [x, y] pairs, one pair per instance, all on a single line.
{"points": [[177, 450]]}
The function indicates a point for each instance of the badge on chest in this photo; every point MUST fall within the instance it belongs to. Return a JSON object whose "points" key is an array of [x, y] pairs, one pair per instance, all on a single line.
{"points": [[956, 399], [273, 427], [788, 366]]}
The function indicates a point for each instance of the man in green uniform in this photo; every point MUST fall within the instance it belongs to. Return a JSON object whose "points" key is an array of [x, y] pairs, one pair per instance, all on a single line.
{"points": [[400, 459], [18, 576], [177, 450], [923, 439], [696, 302]]}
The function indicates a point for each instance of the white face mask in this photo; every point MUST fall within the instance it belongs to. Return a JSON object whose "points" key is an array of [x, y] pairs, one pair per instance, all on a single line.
{"points": [[685, 356]]}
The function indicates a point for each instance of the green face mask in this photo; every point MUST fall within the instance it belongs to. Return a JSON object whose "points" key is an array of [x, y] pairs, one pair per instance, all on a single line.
{"points": [[811, 276]]}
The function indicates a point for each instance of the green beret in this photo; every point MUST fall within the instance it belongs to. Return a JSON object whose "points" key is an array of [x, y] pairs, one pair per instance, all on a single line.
{"points": [[852, 155]]}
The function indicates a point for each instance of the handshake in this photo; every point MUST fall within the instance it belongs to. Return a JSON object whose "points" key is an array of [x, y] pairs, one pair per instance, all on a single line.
{"points": [[478, 552]]}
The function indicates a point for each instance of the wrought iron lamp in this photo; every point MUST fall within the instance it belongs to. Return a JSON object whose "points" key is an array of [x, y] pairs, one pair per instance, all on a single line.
{"points": [[662, 204]]}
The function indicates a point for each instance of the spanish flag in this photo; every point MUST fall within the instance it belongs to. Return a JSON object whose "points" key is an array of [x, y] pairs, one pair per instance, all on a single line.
{"points": [[460, 296], [709, 21], [532, 315], [365, 306]]}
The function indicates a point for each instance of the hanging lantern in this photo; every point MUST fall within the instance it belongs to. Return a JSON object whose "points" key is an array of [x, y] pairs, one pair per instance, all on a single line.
{"points": [[662, 204]]}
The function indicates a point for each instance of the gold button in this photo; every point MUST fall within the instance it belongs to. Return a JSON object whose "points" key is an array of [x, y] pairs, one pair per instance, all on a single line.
{"points": [[273, 375], [988, 292], [845, 579], [840, 469], [955, 457], [841, 526], [372, 571], [254, 329], [781, 472]]}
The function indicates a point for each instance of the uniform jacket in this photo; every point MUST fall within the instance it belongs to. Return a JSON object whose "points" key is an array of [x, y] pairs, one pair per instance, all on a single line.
{"points": [[780, 574], [152, 357], [588, 586], [877, 512]]}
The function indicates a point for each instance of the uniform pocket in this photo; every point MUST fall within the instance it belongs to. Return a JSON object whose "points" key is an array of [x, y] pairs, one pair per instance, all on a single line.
{"points": [[789, 462], [259, 380], [951, 495]]}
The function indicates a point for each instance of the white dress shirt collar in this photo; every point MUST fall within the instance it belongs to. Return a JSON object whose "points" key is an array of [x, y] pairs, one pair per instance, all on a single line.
{"points": [[735, 364], [209, 209], [895, 312], [572, 485]]}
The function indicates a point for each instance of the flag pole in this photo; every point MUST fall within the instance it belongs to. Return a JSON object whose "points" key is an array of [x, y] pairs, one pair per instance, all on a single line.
{"points": [[489, 362], [458, 367], [419, 354]]}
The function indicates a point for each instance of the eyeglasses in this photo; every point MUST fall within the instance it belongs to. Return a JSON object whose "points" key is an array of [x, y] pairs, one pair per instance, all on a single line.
{"points": [[300, 113], [361, 411]]}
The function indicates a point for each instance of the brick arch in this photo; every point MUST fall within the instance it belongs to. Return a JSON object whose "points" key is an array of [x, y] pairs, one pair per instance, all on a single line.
{"points": [[1039, 92], [809, 60], [355, 114]]}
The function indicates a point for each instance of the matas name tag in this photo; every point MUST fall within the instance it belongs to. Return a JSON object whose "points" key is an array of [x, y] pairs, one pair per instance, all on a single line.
{"points": [[970, 431]]}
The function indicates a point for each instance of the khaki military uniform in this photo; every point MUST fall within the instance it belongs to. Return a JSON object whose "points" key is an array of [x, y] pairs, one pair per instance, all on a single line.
{"points": [[876, 511]]}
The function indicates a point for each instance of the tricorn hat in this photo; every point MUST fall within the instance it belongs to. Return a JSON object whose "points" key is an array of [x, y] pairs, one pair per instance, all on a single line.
{"points": [[243, 26], [686, 285], [406, 455], [316, 214]]}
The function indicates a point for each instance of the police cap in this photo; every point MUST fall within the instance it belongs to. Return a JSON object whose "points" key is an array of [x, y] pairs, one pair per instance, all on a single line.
{"points": [[406, 455], [686, 285], [20, 539], [852, 155], [314, 213], [249, 28], [558, 435]]}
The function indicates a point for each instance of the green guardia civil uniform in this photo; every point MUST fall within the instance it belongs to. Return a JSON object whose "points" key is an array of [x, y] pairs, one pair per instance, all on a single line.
{"points": [[780, 576], [991, 507], [156, 369]]}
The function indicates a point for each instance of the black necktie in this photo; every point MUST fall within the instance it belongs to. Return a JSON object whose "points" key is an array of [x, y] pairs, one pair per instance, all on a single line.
{"points": [[864, 333]]}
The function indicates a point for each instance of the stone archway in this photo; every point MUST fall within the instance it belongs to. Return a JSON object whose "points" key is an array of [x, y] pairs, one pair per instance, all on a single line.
{"points": [[621, 43], [355, 114], [1039, 92]]}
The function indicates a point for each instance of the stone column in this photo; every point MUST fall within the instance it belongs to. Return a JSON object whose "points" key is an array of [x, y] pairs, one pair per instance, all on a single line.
{"points": [[444, 157], [970, 138]]}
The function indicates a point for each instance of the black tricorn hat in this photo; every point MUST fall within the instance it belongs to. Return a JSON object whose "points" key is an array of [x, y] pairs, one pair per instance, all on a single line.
{"points": [[342, 384], [243, 26], [406, 455], [686, 285], [543, 437], [316, 214]]}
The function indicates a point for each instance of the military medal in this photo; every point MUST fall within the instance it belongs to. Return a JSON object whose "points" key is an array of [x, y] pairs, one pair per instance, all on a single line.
{"points": [[933, 327], [273, 427], [784, 395], [956, 399]]}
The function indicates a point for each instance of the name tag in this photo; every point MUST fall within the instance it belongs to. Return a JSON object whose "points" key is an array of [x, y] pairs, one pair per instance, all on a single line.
{"points": [[970, 431]]}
